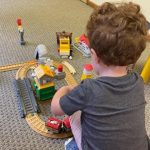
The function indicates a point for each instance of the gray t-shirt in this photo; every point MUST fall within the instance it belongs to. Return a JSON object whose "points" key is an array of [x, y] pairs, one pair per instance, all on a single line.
{"points": [[113, 112]]}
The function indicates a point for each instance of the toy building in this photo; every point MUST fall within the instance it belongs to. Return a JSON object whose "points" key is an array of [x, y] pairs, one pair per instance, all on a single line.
{"points": [[43, 82], [64, 40], [44, 76]]}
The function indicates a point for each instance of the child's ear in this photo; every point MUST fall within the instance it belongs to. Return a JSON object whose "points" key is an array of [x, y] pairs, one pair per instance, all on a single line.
{"points": [[94, 55]]}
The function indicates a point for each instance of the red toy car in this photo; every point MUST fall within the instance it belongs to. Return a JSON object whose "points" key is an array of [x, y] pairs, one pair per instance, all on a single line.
{"points": [[54, 125]]}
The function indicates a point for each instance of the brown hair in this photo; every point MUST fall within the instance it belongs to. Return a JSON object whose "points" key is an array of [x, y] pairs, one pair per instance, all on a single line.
{"points": [[117, 33]]}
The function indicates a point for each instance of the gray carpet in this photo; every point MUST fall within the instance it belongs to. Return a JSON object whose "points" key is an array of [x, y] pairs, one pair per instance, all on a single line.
{"points": [[41, 19]]}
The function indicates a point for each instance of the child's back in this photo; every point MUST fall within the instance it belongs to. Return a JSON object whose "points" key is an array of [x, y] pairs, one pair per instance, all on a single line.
{"points": [[112, 106], [113, 117]]}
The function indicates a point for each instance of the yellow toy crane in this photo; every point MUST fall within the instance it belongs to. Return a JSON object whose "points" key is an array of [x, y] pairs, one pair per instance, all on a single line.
{"points": [[64, 40], [146, 71]]}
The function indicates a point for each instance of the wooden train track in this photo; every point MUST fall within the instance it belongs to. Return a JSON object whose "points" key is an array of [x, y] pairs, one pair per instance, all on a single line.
{"points": [[34, 120], [70, 67], [15, 66]]}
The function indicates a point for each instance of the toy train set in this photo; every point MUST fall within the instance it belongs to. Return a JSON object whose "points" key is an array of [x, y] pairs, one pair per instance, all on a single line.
{"points": [[50, 128], [43, 87], [39, 84], [28, 97]]}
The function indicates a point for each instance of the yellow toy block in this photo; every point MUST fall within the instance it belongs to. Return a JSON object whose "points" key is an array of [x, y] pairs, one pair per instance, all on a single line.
{"points": [[85, 76], [146, 71]]}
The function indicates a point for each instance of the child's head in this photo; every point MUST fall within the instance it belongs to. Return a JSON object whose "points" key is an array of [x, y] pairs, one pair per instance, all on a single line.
{"points": [[117, 32]]}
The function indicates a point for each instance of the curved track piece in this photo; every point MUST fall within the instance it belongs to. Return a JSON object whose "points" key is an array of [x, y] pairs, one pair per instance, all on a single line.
{"points": [[34, 120], [15, 66], [69, 66], [38, 125]]}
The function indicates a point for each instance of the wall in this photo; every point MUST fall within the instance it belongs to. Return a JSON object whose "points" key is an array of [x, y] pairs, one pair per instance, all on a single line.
{"points": [[143, 3]]}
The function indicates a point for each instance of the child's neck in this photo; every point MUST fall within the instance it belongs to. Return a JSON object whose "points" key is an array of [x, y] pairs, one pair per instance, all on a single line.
{"points": [[112, 71]]}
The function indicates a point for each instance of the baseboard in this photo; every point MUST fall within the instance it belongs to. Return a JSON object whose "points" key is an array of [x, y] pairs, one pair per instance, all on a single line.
{"points": [[93, 5], [84, 1]]}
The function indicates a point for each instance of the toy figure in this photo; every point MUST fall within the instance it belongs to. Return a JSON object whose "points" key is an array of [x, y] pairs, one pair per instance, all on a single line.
{"points": [[21, 31], [87, 71]]}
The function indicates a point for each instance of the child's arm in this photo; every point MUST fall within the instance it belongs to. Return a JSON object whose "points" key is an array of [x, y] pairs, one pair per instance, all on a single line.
{"points": [[55, 105]]}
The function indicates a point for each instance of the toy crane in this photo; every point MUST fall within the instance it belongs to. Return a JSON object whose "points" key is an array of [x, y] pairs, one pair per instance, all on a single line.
{"points": [[64, 42], [21, 31]]}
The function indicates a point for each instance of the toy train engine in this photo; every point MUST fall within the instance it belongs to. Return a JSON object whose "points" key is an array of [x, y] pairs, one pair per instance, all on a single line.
{"points": [[54, 125], [64, 41]]}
